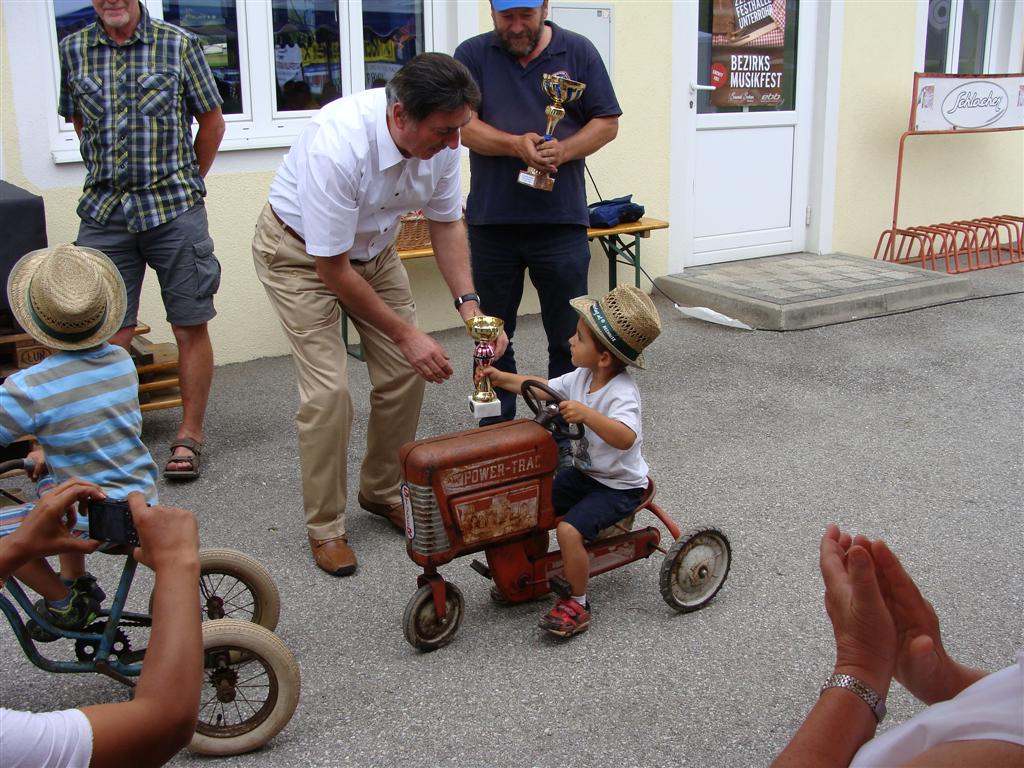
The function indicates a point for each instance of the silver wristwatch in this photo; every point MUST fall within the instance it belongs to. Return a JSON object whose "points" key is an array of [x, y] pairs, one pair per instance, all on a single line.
{"points": [[851, 683]]}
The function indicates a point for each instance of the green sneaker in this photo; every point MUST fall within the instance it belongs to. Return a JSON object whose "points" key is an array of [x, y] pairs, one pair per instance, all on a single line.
{"points": [[86, 585], [81, 611]]}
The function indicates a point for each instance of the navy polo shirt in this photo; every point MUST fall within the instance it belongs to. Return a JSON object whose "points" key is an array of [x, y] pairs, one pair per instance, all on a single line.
{"points": [[514, 101]]}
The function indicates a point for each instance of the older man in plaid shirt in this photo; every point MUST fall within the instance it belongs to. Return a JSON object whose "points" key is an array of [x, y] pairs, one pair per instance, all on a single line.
{"points": [[131, 85]]}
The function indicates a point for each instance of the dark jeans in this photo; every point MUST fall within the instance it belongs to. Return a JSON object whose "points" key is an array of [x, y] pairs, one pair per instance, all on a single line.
{"points": [[558, 259]]}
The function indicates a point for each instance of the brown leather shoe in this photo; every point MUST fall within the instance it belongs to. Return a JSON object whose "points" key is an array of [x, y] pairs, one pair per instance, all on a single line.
{"points": [[334, 555], [393, 512]]}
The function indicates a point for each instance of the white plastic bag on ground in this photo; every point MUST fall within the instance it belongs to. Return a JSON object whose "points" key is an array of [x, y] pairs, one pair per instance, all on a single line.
{"points": [[709, 315]]}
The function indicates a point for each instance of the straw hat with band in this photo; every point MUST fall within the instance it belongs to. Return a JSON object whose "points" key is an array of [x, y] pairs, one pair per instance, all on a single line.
{"points": [[625, 320], [67, 296]]}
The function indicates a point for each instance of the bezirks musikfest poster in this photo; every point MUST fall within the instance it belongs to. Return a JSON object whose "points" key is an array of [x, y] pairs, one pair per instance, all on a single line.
{"points": [[747, 45]]}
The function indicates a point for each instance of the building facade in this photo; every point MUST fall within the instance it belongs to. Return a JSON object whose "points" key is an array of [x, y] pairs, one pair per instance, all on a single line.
{"points": [[795, 149]]}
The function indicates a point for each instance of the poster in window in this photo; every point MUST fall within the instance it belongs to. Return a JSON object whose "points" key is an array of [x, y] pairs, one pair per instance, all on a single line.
{"points": [[747, 46], [389, 41]]}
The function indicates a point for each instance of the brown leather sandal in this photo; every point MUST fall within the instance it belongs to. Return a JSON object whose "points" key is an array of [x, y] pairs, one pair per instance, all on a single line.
{"points": [[192, 473]]}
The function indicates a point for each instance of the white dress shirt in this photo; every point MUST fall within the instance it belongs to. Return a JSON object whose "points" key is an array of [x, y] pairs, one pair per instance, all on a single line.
{"points": [[344, 184], [992, 708]]}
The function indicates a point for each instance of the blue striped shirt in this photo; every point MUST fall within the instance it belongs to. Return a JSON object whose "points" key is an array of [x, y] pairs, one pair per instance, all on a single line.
{"points": [[83, 409]]}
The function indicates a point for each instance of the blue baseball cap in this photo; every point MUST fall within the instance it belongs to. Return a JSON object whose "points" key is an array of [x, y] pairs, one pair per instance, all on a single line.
{"points": [[508, 5]]}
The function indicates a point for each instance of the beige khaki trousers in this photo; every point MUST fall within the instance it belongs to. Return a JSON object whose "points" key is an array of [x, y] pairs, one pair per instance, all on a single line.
{"points": [[310, 314]]}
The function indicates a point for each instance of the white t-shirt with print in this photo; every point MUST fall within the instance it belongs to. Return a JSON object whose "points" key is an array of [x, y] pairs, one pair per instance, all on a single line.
{"points": [[619, 399]]}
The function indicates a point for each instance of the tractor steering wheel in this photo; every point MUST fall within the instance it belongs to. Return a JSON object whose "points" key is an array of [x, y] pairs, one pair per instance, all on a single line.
{"points": [[546, 411]]}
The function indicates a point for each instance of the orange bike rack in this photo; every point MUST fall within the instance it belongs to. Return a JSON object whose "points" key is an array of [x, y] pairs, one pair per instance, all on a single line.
{"points": [[961, 246]]}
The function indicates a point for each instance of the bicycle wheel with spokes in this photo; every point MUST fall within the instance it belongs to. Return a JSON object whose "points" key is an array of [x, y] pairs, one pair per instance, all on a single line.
{"points": [[233, 585], [250, 688]]}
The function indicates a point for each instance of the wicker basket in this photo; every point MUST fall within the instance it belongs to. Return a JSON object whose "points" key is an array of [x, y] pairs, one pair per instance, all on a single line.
{"points": [[414, 233]]}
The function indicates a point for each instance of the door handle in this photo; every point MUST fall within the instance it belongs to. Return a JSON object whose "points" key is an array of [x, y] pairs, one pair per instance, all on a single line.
{"points": [[694, 87]]}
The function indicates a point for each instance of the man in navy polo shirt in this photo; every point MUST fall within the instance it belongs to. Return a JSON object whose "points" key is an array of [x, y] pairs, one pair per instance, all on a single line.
{"points": [[513, 227]]}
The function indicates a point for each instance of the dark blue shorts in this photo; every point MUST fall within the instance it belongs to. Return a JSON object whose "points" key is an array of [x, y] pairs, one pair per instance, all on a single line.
{"points": [[590, 506]]}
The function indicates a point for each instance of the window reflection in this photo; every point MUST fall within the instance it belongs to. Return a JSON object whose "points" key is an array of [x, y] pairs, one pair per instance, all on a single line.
{"points": [[937, 37], [72, 15], [392, 34], [216, 24], [307, 53], [973, 31]]}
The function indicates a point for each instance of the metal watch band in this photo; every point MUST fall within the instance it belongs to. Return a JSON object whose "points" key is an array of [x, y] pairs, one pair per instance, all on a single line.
{"points": [[852, 684], [466, 297]]}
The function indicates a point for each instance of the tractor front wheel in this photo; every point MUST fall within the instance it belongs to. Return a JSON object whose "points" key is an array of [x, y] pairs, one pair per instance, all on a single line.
{"points": [[424, 629]]}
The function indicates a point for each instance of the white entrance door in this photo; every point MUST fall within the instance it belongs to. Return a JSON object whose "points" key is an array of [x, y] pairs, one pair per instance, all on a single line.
{"points": [[741, 152]]}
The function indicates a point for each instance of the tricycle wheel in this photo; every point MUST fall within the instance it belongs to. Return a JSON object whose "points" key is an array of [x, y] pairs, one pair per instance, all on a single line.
{"points": [[233, 585], [424, 629], [250, 688], [695, 569]]}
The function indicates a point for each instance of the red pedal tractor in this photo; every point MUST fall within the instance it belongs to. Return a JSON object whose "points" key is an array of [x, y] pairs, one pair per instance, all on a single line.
{"points": [[489, 490]]}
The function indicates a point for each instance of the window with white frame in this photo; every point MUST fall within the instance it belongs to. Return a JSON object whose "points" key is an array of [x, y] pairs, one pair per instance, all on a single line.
{"points": [[277, 61], [972, 37]]}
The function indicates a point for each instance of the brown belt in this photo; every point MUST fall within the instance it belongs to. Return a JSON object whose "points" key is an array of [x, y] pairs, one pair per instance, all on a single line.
{"points": [[286, 228]]}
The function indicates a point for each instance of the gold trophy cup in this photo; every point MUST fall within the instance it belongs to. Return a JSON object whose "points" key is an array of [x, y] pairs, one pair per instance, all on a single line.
{"points": [[561, 90], [484, 402]]}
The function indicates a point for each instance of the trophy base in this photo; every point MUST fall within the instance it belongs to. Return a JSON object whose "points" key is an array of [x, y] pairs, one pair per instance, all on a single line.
{"points": [[536, 180], [484, 410]]}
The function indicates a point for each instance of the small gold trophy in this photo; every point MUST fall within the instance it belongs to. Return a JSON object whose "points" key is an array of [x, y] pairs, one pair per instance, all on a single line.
{"points": [[484, 403], [562, 90]]}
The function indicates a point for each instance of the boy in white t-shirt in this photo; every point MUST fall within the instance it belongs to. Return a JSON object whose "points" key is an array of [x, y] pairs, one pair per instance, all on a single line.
{"points": [[609, 474]]}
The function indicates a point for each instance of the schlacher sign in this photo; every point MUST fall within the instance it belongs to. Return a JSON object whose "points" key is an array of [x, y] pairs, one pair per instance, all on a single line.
{"points": [[951, 102]]}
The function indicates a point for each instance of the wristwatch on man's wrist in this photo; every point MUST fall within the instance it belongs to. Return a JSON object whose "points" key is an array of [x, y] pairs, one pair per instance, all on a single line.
{"points": [[861, 689], [466, 297]]}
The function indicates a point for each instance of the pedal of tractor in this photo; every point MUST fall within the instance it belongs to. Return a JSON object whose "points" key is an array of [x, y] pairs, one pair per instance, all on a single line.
{"points": [[560, 586], [480, 568]]}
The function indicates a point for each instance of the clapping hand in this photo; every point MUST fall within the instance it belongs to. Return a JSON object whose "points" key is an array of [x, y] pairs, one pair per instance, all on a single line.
{"points": [[865, 632]]}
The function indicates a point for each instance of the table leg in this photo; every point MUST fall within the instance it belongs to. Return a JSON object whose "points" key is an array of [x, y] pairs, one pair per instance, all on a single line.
{"points": [[355, 350], [619, 251]]}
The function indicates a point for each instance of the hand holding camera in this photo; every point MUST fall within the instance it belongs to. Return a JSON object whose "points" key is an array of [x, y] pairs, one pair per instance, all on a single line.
{"points": [[162, 534]]}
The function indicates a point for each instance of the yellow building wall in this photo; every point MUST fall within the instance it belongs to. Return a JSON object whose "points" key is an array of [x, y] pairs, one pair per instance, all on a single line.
{"points": [[945, 177]]}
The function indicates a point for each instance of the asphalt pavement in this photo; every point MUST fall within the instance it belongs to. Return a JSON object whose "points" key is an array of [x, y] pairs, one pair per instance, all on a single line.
{"points": [[907, 427]]}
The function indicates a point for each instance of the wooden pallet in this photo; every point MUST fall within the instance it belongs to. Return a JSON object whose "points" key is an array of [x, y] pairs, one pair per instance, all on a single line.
{"points": [[18, 351], [157, 365]]}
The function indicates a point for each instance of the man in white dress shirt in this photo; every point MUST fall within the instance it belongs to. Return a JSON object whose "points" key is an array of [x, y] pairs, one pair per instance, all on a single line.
{"points": [[325, 243]]}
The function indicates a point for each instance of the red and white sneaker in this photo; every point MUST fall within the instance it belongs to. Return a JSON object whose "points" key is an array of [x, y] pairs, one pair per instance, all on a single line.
{"points": [[566, 618]]}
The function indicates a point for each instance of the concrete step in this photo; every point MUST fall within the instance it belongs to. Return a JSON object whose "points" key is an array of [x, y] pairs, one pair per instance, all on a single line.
{"points": [[804, 290]]}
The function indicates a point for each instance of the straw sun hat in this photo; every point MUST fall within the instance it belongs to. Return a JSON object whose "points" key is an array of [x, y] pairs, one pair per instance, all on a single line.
{"points": [[624, 319], [67, 296]]}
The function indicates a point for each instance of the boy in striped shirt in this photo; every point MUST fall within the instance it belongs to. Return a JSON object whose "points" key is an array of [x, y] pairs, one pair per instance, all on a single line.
{"points": [[80, 405]]}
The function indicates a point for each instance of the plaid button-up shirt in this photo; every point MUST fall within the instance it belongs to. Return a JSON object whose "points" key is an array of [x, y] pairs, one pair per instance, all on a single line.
{"points": [[136, 102]]}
